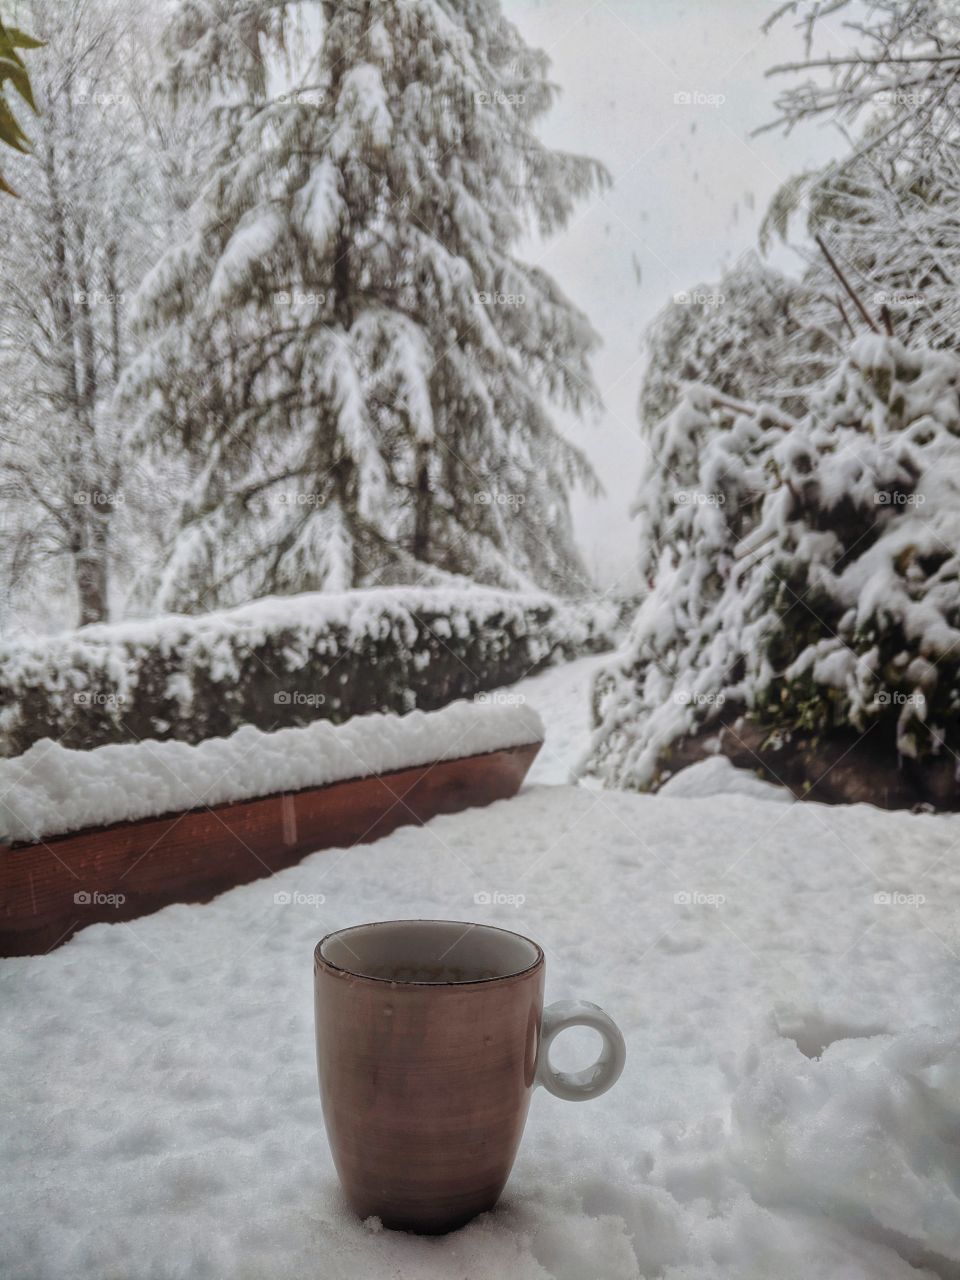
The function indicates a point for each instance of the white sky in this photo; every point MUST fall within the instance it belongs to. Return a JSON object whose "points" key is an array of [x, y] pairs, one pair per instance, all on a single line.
{"points": [[690, 189]]}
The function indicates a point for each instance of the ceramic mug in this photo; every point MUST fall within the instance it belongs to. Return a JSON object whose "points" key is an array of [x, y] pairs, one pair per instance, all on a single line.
{"points": [[431, 1037]]}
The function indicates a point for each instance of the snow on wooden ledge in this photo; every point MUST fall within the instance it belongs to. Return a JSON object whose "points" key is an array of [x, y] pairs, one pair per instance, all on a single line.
{"points": [[50, 790], [118, 832]]}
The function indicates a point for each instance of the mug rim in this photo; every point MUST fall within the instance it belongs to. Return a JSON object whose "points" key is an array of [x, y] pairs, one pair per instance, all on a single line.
{"points": [[320, 961]]}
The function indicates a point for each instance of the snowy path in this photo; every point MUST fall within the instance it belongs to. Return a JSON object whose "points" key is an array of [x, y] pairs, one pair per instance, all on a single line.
{"points": [[561, 695], [161, 1118]]}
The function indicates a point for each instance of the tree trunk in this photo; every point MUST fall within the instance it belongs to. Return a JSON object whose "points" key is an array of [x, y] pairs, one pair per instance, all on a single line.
{"points": [[75, 342], [423, 502], [115, 302], [90, 571]]}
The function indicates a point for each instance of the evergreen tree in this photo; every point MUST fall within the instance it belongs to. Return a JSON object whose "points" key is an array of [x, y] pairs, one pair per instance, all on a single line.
{"points": [[345, 341], [805, 571]]}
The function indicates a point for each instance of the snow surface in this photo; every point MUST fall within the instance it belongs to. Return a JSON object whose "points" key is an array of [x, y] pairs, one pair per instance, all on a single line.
{"points": [[162, 1118], [50, 789], [718, 776], [356, 610], [785, 976], [561, 695]]}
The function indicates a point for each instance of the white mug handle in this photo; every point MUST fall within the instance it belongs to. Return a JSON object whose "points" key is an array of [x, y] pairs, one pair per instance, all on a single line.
{"points": [[578, 1086]]}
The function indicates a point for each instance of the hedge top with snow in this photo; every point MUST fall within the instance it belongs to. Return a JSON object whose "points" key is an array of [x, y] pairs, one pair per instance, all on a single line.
{"points": [[804, 571], [283, 662]]}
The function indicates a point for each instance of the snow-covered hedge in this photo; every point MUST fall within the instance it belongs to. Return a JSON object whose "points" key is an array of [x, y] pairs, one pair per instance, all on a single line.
{"points": [[284, 661], [804, 572]]}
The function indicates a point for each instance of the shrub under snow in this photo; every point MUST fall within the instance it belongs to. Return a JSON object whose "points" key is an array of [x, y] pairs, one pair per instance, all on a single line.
{"points": [[284, 661], [802, 571]]}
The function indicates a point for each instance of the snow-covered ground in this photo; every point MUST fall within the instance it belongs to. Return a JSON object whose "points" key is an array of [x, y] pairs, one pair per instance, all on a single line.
{"points": [[785, 976], [561, 696]]}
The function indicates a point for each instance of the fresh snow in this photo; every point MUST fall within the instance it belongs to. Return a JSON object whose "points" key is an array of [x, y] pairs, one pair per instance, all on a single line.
{"points": [[362, 109], [254, 240], [790, 1105], [717, 776], [774, 511], [50, 790], [319, 206], [561, 695], [356, 610]]}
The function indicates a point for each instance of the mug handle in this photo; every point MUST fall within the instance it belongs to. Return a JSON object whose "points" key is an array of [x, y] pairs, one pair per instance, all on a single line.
{"points": [[578, 1086]]}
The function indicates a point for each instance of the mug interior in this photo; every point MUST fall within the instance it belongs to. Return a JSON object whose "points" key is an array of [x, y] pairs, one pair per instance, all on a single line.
{"points": [[429, 952]]}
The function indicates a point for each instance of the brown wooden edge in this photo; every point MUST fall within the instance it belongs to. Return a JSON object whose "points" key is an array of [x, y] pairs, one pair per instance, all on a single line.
{"points": [[132, 868]]}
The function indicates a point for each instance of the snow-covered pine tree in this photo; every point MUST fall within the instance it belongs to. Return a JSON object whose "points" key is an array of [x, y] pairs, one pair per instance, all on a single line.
{"points": [[345, 341], [805, 572]]}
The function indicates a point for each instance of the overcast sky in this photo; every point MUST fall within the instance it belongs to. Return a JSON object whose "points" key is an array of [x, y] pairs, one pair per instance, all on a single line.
{"points": [[690, 188]]}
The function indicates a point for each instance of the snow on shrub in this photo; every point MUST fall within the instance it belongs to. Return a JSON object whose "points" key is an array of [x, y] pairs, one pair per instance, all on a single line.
{"points": [[284, 661], [802, 571], [747, 334]]}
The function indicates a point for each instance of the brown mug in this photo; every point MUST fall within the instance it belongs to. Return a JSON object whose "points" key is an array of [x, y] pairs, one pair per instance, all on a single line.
{"points": [[431, 1036]]}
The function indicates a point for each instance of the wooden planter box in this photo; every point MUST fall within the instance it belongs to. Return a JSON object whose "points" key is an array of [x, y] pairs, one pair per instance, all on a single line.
{"points": [[50, 889]]}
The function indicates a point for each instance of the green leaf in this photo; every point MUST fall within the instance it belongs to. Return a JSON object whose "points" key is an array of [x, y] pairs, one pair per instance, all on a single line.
{"points": [[16, 73], [7, 47], [9, 53], [12, 69], [21, 40], [10, 131]]}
